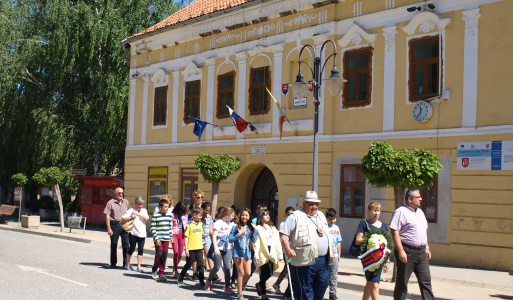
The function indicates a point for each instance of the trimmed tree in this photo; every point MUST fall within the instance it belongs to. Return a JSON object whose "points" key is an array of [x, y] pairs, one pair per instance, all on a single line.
{"points": [[51, 177], [20, 180], [215, 170], [383, 166]]}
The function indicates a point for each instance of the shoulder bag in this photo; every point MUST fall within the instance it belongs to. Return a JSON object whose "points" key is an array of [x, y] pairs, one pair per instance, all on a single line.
{"points": [[128, 226], [354, 250]]}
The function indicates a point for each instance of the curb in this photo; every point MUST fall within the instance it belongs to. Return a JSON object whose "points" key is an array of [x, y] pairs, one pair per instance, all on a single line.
{"points": [[70, 238]]}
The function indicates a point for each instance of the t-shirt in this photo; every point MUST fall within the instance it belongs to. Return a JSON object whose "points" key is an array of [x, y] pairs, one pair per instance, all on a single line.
{"points": [[362, 227], [265, 235], [206, 229], [194, 232], [223, 229], [139, 225], [161, 227], [335, 237]]}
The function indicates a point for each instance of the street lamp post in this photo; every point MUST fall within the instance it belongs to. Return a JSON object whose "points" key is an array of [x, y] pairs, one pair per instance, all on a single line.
{"points": [[300, 89]]}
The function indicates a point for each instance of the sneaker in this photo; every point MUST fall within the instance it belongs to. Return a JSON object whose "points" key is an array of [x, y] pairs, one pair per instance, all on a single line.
{"points": [[207, 285], [202, 284], [180, 281], [229, 290], [276, 288], [194, 277], [333, 297], [162, 278], [240, 297], [139, 270], [155, 275], [127, 268]]}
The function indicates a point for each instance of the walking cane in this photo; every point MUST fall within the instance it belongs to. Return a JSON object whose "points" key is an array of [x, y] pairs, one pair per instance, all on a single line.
{"points": [[288, 273]]}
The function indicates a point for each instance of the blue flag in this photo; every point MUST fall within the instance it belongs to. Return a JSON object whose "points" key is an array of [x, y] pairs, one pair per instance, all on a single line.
{"points": [[199, 126]]}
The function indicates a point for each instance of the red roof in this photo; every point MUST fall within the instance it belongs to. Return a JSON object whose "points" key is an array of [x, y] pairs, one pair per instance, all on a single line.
{"points": [[194, 10]]}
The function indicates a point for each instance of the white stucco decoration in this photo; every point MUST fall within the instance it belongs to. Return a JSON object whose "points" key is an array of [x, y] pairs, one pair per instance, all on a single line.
{"points": [[160, 77], [427, 21], [356, 35], [257, 50], [191, 70]]}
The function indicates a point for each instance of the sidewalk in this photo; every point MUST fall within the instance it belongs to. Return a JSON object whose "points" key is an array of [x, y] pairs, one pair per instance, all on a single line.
{"points": [[448, 282]]}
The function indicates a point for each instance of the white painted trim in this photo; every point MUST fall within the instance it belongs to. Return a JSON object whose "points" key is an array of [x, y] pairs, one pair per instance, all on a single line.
{"points": [[190, 78], [225, 130], [470, 67], [191, 70], [261, 54], [210, 97], [144, 110], [226, 61], [276, 90], [241, 88], [371, 136], [356, 34], [131, 116], [427, 21], [389, 79], [174, 126]]}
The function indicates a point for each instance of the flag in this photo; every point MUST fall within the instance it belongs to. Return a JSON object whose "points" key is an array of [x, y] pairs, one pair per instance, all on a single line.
{"points": [[282, 113], [251, 127], [199, 126], [239, 122]]}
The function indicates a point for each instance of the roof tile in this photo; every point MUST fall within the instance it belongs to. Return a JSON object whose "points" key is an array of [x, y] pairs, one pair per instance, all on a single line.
{"points": [[196, 9]]}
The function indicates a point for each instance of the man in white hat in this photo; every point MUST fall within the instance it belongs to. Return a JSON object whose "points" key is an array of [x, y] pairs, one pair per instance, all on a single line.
{"points": [[306, 242]]}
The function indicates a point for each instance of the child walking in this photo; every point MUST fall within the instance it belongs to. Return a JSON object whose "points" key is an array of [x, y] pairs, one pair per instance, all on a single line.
{"points": [[222, 248], [336, 238], [267, 250], [161, 231], [207, 231], [241, 235], [194, 246], [179, 222]]}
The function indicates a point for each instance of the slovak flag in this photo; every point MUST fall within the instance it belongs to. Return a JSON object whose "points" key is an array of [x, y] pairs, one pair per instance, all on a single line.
{"points": [[239, 122]]}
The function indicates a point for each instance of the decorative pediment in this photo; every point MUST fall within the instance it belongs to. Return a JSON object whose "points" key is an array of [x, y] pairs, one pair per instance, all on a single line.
{"points": [[191, 70], [160, 77], [426, 21], [257, 50], [356, 35]]}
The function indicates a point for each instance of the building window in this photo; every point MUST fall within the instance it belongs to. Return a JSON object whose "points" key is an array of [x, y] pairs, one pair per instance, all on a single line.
{"points": [[189, 184], [259, 100], [192, 101], [352, 192], [358, 72], [157, 186], [225, 92], [430, 201], [424, 69], [160, 106]]}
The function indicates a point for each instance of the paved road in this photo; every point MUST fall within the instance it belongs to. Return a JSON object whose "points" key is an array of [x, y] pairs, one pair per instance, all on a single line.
{"points": [[47, 268]]}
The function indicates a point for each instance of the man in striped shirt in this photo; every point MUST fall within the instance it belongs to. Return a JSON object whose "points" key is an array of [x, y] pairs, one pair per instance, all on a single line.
{"points": [[162, 235]]}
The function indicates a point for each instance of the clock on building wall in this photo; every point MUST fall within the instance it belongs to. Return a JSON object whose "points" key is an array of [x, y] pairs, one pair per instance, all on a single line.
{"points": [[422, 111]]}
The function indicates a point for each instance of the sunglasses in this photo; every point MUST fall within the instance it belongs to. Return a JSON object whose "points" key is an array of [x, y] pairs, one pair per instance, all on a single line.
{"points": [[312, 203]]}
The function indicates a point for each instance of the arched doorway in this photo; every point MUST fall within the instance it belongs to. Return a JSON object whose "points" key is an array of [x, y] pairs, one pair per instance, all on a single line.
{"points": [[265, 191]]}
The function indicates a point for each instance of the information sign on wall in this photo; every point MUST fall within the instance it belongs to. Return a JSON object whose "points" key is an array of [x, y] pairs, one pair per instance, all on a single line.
{"points": [[489, 155]]}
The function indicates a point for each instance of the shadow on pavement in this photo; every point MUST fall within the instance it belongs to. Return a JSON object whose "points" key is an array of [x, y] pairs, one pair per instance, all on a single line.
{"points": [[502, 296]]}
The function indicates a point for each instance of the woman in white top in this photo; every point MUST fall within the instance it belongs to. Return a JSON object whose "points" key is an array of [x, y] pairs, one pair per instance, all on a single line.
{"points": [[267, 250], [138, 235]]}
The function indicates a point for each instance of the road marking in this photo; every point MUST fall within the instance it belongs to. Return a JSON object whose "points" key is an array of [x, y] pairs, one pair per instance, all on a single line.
{"points": [[42, 271]]}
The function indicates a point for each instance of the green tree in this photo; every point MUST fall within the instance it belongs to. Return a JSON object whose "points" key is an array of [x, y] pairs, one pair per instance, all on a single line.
{"points": [[384, 166], [64, 82], [51, 177], [20, 180], [215, 170]]}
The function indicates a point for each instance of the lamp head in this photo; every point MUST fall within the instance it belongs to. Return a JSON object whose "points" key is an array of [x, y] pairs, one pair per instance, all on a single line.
{"points": [[335, 83], [299, 88]]}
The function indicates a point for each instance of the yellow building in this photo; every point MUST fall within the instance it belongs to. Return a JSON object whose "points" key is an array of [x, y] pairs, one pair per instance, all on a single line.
{"points": [[421, 74]]}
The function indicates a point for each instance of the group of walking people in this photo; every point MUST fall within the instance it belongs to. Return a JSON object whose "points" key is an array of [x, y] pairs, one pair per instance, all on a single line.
{"points": [[240, 244]]}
